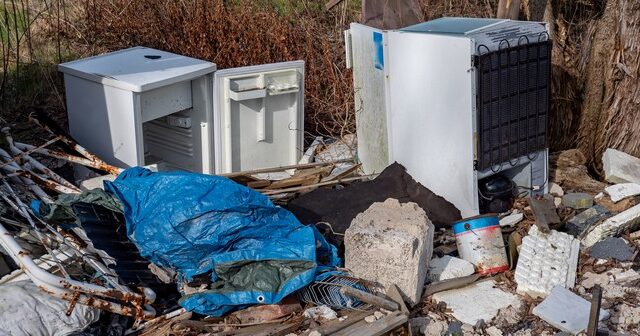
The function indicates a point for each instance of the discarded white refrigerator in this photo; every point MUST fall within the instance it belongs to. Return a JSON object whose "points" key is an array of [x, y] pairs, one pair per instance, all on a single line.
{"points": [[142, 106], [461, 100]]}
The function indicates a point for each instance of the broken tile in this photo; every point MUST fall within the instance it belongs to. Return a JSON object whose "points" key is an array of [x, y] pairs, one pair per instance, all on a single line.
{"points": [[577, 200], [391, 243], [620, 167], [546, 261], [577, 225], [449, 267], [623, 190], [566, 311], [479, 301], [512, 219], [616, 248], [627, 220]]}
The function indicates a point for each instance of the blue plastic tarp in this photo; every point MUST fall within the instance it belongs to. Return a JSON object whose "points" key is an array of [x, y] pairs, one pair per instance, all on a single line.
{"points": [[203, 225]]}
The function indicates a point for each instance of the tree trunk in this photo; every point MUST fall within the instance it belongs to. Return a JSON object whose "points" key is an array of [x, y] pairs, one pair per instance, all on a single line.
{"points": [[611, 107], [508, 9]]}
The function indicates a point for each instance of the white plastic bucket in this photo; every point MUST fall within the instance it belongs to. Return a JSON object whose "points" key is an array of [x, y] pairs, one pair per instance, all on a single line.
{"points": [[479, 241]]}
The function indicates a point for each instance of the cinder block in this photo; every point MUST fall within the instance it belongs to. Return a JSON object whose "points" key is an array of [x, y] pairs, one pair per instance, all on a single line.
{"points": [[627, 220], [391, 243], [620, 167], [546, 261]]}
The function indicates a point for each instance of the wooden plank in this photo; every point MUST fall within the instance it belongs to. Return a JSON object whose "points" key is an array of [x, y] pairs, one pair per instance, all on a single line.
{"points": [[343, 174], [321, 184], [258, 184], [331, 4], [283, 168], [450, 284], [594, 314], [333, 326], [544, 211], [294, 181], [376, 328], [394, 294]]}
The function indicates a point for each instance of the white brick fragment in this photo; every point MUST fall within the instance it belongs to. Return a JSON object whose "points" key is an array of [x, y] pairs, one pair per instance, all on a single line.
{"points": [[621, 191], [449, 267], [627, 220], [512, 219], [479, 301], [546, 261], [566, 311], [620, 167]]}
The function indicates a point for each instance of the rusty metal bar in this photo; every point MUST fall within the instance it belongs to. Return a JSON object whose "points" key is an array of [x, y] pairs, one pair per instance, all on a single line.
{"points": [[36, 164], [32, 150], [78, 148], [71, 158], [13, 168]]}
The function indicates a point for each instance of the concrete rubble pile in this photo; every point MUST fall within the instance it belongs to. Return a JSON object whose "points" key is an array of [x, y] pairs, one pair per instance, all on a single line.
{"points": [[409, 266]]}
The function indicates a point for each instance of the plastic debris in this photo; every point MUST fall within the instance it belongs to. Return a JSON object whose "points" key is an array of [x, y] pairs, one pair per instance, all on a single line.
{"points": [[566, 311]]}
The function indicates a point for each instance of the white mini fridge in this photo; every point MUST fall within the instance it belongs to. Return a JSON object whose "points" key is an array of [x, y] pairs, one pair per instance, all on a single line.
{"points": [[456, 101], [142, 106]]}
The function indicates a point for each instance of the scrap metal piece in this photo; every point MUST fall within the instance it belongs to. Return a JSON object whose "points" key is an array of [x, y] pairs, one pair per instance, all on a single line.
{"points": [[594, 314], [327, 292], [544, 211]]}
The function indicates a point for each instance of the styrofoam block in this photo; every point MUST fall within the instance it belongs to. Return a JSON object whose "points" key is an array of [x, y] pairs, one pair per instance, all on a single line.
{"points": [[621, 191], [626, 220], [566, 311], [546, 261], [620, 167], [449, 267], [479, 301]]}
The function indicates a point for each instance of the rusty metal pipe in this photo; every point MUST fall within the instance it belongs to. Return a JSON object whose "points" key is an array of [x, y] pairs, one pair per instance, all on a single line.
{"points": [[14, 168], [70, 158]]}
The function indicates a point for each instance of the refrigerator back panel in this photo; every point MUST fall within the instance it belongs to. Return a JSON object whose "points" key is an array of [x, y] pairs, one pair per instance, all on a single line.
{"points": [[512, 101], [259, 116]]}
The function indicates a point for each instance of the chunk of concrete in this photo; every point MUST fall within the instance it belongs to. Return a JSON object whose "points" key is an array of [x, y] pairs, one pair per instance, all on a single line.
{"points": [[616, 248], [546, 261], [556, 190], [627, 220], [449, 267], [391, 243], [566, 311], [621, 191], [580, 223], [577, 200], [620, 167], [479, 301], [96, 182]]}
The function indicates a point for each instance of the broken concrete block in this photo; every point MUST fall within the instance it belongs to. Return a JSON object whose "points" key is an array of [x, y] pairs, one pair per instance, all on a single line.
{"points": [[627, 220], [566, 311], [581, 222], [96, 182], [320, 312], [556, 190], [449, 267], [391, 243], [479, 301], [546, 261], [577, 200], [512, 219], [623, 190], [616, 248], [620, 167]]}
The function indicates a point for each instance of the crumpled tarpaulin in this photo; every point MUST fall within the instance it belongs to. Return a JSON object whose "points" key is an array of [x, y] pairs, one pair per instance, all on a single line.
{"points": [[60, 211], [203, 225]]}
